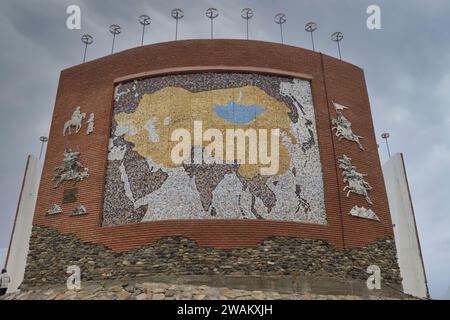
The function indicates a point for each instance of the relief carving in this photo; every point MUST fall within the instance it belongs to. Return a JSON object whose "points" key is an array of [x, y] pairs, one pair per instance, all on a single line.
{"points": [[71, 169], [362, 212], [354, 180], [75, 121], [79, 211], [54, 210], [343, 129]]}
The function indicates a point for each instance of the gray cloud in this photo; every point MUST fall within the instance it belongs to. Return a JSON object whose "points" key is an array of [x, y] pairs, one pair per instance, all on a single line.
{"points": [[407, 67]]}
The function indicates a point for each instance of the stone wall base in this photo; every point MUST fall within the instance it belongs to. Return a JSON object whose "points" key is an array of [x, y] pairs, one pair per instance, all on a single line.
{"points": [[188, 288], [282, 264]]}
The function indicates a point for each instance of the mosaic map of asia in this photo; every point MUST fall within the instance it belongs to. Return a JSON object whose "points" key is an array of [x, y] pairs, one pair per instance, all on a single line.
{"points": [[144, 184]]}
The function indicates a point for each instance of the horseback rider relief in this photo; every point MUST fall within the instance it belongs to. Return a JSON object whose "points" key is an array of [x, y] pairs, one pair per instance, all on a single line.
{"points": [[75, 121]]}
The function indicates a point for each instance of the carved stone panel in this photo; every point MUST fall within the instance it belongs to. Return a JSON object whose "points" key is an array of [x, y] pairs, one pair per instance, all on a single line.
{"points": [[71, 169], [54, 210], [91, 124], [362, 212], [79, 211], [70, 195], [354, 180], [74, 122], [343, 127]]}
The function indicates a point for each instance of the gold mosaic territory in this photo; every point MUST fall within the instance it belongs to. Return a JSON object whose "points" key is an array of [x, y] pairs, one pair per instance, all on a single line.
{"points": [[184, 107]]}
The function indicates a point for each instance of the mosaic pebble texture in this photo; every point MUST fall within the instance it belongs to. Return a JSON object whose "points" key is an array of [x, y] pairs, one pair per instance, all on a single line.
{"points": [[143, 185]]}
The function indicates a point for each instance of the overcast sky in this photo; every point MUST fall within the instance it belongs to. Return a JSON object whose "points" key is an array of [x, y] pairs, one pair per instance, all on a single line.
{"points": [[407, 66]]}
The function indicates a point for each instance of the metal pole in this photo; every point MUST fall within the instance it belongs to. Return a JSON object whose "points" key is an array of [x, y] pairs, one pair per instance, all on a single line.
{"points": [[389, 150], [339, 48], [281, 19], [114, 30], [143, 34], [43, 141], [212, 13], [42, 148], [87, 39], [337, 37], [281, 30], [177, 14], [85, 51], [247, 14], [145, 21], [114, 40], [247, 27], [386, 136], [311, 27]]}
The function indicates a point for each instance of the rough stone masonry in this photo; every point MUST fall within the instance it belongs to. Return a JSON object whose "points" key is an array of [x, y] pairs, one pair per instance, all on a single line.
{"points": [[52, 252]]}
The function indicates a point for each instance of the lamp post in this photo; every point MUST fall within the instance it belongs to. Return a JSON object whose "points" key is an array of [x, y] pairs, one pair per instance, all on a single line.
{"points": [[145, 21], [386, 136], [337, 37], [43, 140], [247, 14], [281, 19], [114, 30], [87, 39], [177, 14], [211, 14], [311, 27]]}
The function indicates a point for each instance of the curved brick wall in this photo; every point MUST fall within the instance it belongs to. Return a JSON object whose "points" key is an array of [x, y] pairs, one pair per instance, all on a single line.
{"points": [[92, 87]]}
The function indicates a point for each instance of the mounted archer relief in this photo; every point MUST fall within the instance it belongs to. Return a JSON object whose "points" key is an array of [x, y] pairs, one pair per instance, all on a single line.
{"points": [[354, 180], [343, 126], [71, 170]]}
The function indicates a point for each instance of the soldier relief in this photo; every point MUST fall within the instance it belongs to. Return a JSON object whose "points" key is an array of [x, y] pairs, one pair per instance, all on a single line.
{"points": [[71, 170], [193, 117]]}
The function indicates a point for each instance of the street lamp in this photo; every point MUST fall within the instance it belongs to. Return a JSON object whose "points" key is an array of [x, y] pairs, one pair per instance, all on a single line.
{"points": [[337, 37], [281, 19], [386, 136], [87, 39], [115, 30], [247, 14], [43, 140], [311, 27], [144, 20], [177, 14], [212, 13]]}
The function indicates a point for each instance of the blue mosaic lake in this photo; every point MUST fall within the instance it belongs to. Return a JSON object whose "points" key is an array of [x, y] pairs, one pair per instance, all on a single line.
{"points": [[238, 113]]}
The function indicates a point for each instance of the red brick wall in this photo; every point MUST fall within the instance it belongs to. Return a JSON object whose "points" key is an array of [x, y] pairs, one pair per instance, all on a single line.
{"points": [[91, 86]]}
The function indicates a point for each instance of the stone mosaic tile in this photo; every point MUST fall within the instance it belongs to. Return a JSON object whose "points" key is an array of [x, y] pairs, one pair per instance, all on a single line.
{"points": [[143, 183]]}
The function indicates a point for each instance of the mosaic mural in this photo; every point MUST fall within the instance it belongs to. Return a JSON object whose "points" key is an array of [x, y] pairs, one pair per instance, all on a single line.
{"points": [[144, 183]]}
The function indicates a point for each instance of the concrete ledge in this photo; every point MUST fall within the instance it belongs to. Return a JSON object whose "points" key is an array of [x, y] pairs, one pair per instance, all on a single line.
{"points": [[303, 284]]}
